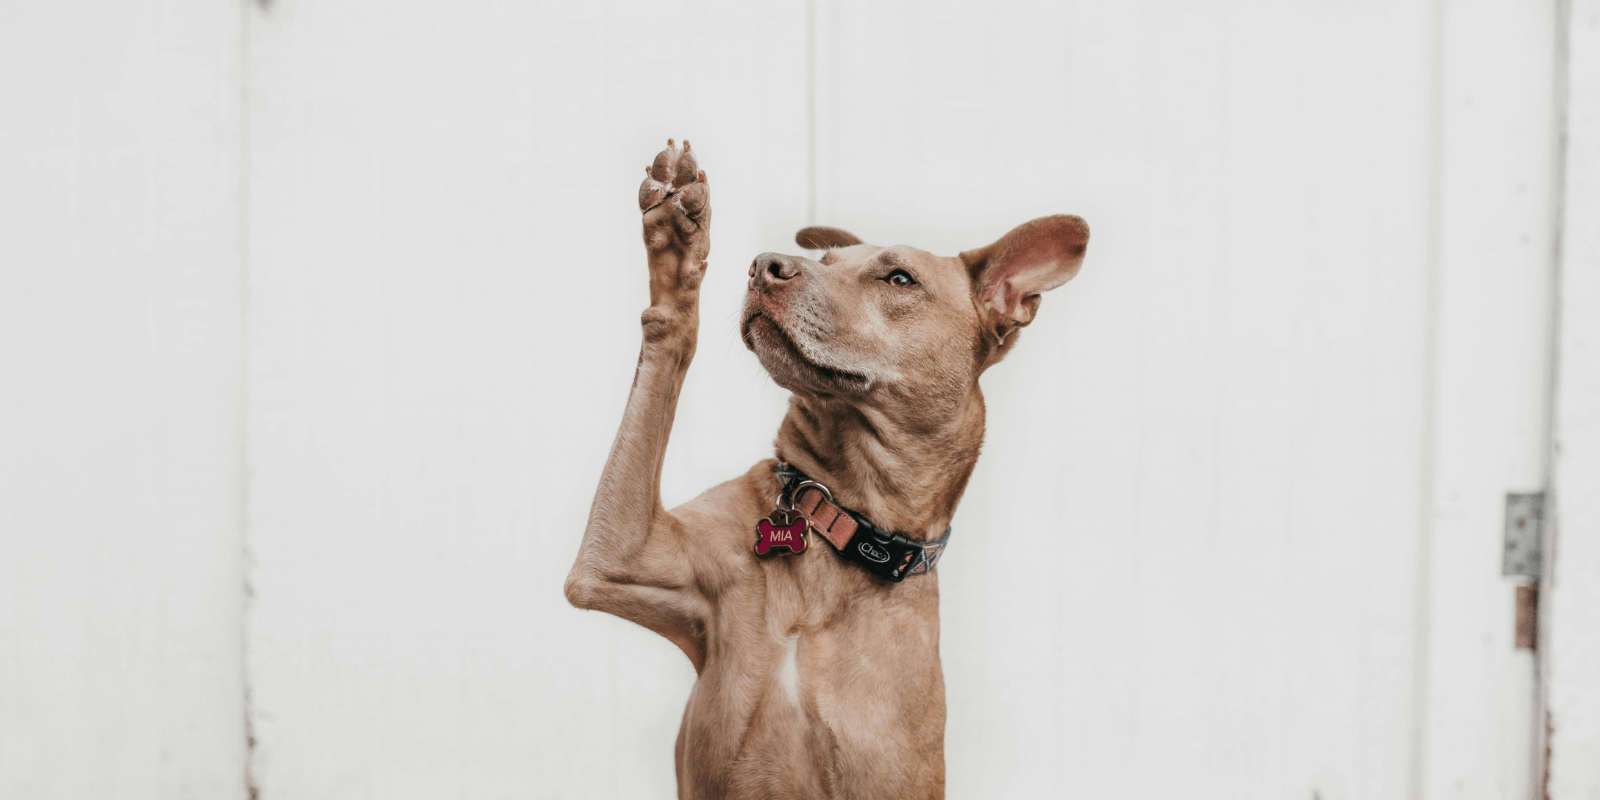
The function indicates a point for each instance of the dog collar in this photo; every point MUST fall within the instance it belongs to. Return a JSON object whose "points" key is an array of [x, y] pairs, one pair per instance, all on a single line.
{"points": [[891, 556]]}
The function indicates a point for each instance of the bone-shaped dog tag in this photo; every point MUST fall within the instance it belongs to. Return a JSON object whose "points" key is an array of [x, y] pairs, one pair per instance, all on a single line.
{"points": [[781, 530]]}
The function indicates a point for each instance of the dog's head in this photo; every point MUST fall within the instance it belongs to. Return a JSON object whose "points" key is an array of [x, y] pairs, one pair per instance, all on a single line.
{"points": [[898, 325]]}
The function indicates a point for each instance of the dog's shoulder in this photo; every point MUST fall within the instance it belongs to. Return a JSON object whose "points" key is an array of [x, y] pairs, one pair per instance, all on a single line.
{"points": [[732, 506], [722, 519]]}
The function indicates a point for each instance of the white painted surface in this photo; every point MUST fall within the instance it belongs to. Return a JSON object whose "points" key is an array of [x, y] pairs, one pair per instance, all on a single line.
{"points": [[1573, 605], [1224, 424], [120, 401], [1219, 431], [1268, 428], [447, 276], [1493, 289]]}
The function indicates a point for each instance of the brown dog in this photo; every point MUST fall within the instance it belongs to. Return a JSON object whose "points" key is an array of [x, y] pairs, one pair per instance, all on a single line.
{"points": [[819, 672]]}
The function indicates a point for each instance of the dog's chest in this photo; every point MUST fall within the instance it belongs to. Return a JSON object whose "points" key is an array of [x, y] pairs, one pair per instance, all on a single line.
{"points": [[806, 682]]}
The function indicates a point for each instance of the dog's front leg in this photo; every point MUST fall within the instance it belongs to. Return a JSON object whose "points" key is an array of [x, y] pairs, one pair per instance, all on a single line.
{"points": [[635, 560]]}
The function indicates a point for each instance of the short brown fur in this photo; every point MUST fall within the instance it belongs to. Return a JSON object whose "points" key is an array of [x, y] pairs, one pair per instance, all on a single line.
{"points": [[815, 679]]}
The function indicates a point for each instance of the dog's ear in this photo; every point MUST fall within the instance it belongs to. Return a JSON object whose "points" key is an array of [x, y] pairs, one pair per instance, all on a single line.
{"points": [[1009, 275], [822, 237]]}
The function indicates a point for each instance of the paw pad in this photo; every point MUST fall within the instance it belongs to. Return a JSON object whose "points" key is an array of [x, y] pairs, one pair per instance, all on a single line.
{"points": [[674, 175], [676, 202]]}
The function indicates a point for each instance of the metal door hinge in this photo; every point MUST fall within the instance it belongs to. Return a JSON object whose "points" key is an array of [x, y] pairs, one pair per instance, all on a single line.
{"points": [[1524, 545]]}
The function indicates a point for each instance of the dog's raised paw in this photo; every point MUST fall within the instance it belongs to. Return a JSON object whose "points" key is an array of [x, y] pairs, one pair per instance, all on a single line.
{"points": [[676, 202]]}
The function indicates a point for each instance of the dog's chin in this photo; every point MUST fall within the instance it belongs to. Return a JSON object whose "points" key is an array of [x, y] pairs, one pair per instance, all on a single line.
{"points": [[789, 368]]}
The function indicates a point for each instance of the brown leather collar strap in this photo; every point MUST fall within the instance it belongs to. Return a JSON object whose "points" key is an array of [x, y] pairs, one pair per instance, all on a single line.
{"points": [[827, 518]]}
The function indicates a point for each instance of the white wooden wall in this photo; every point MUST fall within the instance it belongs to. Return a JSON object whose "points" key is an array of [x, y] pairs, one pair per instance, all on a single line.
{"points": [[446, 285], [376, 268], [1490, 387], [1572, 613], [121, 401], [1221, 433]]}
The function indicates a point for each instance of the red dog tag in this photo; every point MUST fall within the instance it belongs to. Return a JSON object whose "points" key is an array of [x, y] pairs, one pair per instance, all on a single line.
{"points": [[777, 531]]}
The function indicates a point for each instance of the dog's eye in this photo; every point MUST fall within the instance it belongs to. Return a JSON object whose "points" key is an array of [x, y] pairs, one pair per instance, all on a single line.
{"points": [[900, 278]]}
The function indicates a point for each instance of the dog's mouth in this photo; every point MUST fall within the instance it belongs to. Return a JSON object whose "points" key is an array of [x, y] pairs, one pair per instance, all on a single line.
{"points": [[778, 352]]}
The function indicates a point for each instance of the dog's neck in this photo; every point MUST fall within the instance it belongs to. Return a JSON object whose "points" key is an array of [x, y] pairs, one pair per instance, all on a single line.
{"points": [[903, 477]]}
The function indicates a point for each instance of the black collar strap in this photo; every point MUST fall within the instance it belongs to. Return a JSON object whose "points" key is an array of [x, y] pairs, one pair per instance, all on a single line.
{"points": [[891, 556]]}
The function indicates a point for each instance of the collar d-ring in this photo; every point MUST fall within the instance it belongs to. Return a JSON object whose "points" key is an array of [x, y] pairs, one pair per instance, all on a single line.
{"points": [[794, 493]]}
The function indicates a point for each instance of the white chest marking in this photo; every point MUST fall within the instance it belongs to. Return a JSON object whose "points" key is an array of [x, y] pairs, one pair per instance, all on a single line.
{"points": [[789, 673]]}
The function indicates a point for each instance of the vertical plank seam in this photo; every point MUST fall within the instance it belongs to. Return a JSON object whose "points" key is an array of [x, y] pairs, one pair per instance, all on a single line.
{"points": [[1432, 268], [1541, 665], [252, 787]]}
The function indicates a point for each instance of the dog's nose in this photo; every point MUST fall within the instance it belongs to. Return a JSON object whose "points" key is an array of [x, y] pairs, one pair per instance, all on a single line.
{"points": [[772, 270]]}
